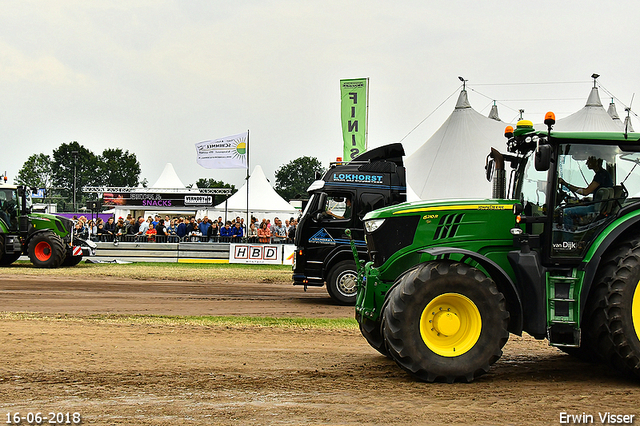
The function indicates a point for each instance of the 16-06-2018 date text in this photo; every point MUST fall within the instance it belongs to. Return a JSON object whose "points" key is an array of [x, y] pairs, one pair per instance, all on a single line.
{"points": [[55, 418]]}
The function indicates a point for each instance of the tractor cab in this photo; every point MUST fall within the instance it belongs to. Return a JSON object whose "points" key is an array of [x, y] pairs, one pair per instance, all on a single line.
{"points": [[569, 186], [15, 202]]}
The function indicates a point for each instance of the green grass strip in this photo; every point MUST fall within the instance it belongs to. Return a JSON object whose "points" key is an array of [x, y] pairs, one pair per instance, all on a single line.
{"points": [[206, 321]]}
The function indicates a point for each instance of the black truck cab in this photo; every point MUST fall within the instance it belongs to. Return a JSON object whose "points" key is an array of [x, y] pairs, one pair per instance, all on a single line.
{"points": [[337, 202]]}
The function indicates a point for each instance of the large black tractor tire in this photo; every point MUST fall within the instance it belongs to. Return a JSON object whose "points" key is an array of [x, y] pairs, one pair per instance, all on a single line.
{"points": [[70, 260], [445, 322], [6, 259], [372, 332], [342, 285], [621, 309], [596, 346], [46, 250]]}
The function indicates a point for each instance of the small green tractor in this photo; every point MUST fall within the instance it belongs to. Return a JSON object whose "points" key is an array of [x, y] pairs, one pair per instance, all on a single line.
{"points": [[552, 254], [49, 240]]}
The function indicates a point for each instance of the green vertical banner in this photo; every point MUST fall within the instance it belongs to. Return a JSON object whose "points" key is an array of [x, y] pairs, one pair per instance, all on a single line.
{"points": [[354, 95]]}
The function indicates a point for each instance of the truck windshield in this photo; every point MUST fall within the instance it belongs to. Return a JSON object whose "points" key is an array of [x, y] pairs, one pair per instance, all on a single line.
{"points": [[310, 207]]}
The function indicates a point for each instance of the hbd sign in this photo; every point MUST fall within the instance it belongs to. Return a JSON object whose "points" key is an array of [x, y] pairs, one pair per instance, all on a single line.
{"points": [[261, 254], [241, 253]]}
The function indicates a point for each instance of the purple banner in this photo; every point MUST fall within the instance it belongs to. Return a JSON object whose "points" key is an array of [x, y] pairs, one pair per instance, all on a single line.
{"points": [[104, 216]]}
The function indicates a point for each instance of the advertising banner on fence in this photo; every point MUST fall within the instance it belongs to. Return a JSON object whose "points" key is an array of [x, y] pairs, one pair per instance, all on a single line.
{"points": [[354, 95], [262, 254], [152, 199], [225, 153]]}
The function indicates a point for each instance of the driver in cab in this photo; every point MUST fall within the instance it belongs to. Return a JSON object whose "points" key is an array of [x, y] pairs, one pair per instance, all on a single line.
{"points": [[601, 179], [583, 214], [347, 210]]}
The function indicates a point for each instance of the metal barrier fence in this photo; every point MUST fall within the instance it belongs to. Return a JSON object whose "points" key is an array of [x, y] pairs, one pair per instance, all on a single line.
{"points": [[129, 238]]}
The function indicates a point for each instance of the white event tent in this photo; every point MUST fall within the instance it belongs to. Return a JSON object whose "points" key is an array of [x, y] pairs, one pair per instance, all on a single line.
{"points": [[450, 164], [169, 180], [592, 117], [264, 201]]}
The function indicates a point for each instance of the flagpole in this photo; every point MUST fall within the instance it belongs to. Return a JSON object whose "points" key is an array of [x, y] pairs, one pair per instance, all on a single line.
{"points": [[247, 224]]}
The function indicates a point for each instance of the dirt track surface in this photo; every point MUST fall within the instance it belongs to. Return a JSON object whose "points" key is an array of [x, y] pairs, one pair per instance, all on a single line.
{"points": [[139, 374]]}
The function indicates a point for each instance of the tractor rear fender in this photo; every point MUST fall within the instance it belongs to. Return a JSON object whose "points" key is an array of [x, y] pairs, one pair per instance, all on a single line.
{"points": [[33, 232], [498, 275], [629, 221]]}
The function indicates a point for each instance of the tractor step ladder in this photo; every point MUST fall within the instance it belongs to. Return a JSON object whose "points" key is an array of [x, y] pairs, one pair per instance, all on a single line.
{"points": [[563, 310]]}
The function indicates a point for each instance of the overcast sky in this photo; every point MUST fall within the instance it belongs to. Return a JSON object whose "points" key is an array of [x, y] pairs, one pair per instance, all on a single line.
{"points": [[156, 77]]}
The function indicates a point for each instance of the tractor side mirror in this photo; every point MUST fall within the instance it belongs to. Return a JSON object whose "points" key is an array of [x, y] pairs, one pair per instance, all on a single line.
{"points": [[543, 158], [488, 168]]}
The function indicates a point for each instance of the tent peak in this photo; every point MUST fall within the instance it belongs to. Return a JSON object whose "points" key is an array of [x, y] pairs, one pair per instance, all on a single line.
{"points": [[493, 114], [613, 113], [168, 178], [463, 100], [594, 98]]}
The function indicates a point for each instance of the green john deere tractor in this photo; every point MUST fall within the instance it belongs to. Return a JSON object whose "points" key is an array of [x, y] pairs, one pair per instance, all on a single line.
{"points": [[554, 253], [49, 240]]}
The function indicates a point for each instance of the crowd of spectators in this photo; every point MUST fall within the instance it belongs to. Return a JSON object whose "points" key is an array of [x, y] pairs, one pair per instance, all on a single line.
{"points": [[187, 229]]}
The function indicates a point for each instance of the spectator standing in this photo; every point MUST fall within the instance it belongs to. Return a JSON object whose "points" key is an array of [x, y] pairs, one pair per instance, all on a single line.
{"points": [[110, 226], [278, 231], [151, 234], [226, 232], [121, 226], [212, 232], [192, 226], [204, 226], [100, 231], [131, 227], [291, 234], [252, 235], [181, 230], [84, 230], [143, 226], [161, 232], [172, 231], [264, 233], [237, 233]]}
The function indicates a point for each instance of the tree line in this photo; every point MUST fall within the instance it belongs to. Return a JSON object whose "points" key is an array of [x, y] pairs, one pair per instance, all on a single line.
{"points": [[117, 168]]}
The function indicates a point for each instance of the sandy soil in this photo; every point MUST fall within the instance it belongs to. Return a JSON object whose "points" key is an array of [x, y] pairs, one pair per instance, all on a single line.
{"points": [[135, 374]]}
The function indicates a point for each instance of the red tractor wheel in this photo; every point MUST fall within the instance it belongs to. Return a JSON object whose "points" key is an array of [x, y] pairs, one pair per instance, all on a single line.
{"points": [[46, 250]]}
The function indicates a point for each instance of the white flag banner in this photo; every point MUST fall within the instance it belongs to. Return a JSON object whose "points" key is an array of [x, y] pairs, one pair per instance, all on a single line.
{"points": [[225, 153]]}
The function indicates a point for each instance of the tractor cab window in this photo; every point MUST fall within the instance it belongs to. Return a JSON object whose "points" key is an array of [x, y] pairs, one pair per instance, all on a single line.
{"points": [[533, 189], [589, 191], [9, 208]]}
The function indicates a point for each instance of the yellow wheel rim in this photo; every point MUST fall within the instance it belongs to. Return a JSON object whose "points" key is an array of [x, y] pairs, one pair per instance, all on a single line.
{"points": [[450, 325], [635, 310]]}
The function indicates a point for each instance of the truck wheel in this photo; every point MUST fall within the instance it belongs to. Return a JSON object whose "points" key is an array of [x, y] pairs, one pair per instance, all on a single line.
{"points": [[343, 283], [622, 311], [445, 322], [372, 332], [46, 250]]}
